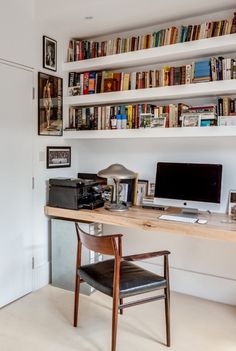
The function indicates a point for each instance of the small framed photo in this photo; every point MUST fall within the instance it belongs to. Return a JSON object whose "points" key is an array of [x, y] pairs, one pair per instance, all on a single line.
{"points": [[232, 204], [145, 120], [128, 190], [49, 53], [151, 189], [190, 121], [158, 122], [227, 121], [142, 191], [50, 109], [58, 156]]}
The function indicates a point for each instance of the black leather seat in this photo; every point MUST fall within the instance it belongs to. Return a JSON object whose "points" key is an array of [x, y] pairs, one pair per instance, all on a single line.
{"points": [[133, 279]]}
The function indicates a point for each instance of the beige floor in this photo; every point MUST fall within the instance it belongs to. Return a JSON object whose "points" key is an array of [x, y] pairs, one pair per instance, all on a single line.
{"points": [[42, 321]]}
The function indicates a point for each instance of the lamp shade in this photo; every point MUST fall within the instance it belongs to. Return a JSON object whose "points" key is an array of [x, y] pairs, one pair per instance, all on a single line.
{"points": [[117, 172]]}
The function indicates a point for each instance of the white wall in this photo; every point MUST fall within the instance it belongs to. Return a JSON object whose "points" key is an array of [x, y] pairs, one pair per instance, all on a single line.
{"points": [[41, 174], [16, 34]]}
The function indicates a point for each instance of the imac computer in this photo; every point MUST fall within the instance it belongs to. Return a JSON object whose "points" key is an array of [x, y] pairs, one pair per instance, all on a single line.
{"points": [[191, 186]]}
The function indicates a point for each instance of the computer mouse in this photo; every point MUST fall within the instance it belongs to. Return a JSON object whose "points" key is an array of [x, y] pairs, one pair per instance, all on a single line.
{"points": [[202, 221]]}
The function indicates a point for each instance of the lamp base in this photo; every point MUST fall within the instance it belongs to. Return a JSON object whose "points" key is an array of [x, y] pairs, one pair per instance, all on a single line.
{"points": [[116, 207]]}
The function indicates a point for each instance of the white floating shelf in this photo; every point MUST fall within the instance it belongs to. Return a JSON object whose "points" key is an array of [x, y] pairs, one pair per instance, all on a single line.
{"points": [[186, 91], [148, 133], [169, 53]]}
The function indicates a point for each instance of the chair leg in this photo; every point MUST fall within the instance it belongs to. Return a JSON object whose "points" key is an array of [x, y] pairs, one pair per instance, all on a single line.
{"points": [[121, 310], [114, 322], [167, 315], [76, 299]]}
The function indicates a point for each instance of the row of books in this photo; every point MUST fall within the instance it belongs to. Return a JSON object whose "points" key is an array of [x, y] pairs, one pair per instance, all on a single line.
{"points": [[226, 106], [86, 49], [145, 115], [107, 117], [212, 69]]}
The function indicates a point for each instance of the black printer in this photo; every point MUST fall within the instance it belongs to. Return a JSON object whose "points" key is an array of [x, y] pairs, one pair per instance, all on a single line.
{"points": [[75, 193]]}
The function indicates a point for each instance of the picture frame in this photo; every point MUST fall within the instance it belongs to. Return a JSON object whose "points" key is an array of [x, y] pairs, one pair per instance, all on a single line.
{"points": [[58, 156], [158, 122], [227, 120], [128, 190], [142, 191], [145, 120], [232, 204], [49, 53], [151, 189], [191, 121], [50, 105]]}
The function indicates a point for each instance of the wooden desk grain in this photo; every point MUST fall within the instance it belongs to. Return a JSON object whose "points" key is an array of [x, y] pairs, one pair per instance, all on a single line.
{"points": [[147, 219]]}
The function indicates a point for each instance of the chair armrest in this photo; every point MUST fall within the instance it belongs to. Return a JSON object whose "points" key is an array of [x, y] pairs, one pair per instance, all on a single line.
{"points": [[112, 236], [146, 255]]}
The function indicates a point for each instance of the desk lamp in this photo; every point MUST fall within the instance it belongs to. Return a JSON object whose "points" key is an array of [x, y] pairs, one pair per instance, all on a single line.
{"points": [[117, 172]]}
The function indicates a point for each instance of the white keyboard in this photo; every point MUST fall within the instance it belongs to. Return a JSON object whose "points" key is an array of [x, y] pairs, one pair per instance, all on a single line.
{"points": [[178, 219]]}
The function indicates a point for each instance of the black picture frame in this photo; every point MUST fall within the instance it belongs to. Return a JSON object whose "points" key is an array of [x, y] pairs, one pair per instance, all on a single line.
{"points": [[49, 53], [58, 156], [131, 190], [50, 105]]}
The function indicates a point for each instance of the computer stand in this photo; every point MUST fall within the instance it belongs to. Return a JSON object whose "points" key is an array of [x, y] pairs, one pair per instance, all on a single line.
{"points": [[189, 212]]}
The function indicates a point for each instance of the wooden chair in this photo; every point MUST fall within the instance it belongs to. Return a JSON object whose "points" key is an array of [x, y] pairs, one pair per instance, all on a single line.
{"points": [[119, 278]]}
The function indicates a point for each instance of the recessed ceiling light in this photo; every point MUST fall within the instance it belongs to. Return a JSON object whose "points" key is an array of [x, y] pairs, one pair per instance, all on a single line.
{"points": [[88, 17]]}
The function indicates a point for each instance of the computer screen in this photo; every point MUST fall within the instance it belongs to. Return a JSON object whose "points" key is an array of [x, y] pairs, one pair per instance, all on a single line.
{"points": [[189, 181]]}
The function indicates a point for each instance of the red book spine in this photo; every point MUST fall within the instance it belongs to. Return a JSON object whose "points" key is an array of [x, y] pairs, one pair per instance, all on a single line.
{"points": [[86, 83]]}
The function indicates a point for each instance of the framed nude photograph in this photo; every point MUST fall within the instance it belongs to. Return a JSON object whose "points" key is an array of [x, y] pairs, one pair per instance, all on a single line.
{"points": [[49, 53], [50, 112], [58, 156]]}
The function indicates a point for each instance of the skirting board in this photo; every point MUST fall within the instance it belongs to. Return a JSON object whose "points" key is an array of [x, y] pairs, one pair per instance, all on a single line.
{"points": [[41, 276], [201, 285]]}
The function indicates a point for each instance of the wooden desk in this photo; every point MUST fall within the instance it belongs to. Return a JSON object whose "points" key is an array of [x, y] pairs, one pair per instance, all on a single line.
{"points": [[147, 219]]}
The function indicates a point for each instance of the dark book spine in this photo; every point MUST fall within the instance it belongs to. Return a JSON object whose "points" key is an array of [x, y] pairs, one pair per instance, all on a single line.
{"points": [[98, 82], [88, 126], [233, 28], [71, 79], [220, 107], [220, 65]]}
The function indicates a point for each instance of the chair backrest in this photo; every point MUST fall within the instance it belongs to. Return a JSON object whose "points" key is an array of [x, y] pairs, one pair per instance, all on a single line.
{"points": [[106, 245]]}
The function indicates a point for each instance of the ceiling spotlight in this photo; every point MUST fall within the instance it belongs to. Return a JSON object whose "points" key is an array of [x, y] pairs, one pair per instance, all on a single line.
{"points": [[88, 17]]}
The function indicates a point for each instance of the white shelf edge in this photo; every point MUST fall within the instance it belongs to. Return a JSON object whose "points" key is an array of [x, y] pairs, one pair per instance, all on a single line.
{"points": [[186, 132], [175, 52], [186, 91]]}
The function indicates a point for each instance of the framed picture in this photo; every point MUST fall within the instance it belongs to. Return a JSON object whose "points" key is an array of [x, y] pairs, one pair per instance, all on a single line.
{"points": [[58, 156], [190, 121], [151, 189], [128, 190], [50, 95], [232, 204], [158, 122], [49, 53], [145, 120], [142, 191]]}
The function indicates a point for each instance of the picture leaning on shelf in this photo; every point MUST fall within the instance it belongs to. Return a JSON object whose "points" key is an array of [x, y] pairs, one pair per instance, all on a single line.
{"points": [[213, 69], [87, 49], [143, 115]]}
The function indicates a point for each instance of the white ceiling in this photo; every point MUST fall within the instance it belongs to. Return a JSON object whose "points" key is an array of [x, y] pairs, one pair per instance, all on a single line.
{"points": [[118, 15]]}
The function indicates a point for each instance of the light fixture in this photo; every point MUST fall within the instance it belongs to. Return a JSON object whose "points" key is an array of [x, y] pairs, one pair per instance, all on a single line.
{"points": [[117, 172]]}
